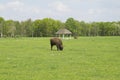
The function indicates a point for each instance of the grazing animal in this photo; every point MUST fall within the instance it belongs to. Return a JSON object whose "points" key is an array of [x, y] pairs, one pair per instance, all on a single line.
{"points": [[56, 41]]}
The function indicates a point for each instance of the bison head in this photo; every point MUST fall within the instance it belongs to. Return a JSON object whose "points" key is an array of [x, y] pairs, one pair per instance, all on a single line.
{"points": [[61, 47]]}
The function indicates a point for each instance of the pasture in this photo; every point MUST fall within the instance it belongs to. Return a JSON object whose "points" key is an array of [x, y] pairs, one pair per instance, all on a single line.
{"points": [[85, 58]]}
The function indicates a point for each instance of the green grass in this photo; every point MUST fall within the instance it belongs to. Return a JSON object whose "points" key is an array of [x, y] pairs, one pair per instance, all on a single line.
{"points": [[85, 58]]}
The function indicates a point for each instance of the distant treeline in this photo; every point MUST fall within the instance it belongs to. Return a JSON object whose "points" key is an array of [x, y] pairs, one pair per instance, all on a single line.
{"points": [[48, 27]]}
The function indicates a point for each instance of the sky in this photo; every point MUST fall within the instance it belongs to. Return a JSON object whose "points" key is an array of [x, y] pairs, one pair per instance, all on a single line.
{"points": [[82, 10]]}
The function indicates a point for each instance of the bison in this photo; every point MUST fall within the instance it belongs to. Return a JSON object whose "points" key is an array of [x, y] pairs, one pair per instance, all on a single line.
{"points": [[56, 41]]}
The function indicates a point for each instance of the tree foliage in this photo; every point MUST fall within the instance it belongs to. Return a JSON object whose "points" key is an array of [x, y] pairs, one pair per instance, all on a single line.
{"points": [[47, 27]]}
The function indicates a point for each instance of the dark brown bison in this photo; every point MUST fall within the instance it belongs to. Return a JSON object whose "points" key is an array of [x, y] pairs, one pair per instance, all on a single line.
{"points": [[57, 42]]}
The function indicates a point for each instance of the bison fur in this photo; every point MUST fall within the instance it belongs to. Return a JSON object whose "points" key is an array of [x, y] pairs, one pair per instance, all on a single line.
{"points": [[56, 42]]}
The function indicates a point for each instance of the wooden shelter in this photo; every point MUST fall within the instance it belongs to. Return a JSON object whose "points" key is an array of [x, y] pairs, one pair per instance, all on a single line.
{"points": [[64, 33]]}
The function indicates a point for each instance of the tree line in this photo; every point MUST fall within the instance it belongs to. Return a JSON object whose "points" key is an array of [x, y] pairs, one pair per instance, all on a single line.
{"points": [[47, 27]]}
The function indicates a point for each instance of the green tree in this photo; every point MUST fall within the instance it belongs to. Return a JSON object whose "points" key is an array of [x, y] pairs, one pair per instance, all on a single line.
{"points": [[94, 29], [116, 26], [46, 27], [27, 28], [74, 26], [37, 28], [84, 29], [10, 28], [18, 28], [49, 26], [1, 26]]}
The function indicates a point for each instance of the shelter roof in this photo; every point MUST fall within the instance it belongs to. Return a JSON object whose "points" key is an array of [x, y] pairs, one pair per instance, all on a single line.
{"points": [[63, 31]]}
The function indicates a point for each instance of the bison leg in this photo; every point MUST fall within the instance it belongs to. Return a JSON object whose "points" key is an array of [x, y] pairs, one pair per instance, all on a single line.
{"points": [[58, 48], [51, 47]]}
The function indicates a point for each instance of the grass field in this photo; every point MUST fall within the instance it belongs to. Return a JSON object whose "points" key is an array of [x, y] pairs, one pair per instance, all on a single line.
{"points": [[85, 58]]}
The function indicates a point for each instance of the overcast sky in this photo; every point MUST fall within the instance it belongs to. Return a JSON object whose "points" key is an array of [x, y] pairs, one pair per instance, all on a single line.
{"points": [[82, 10]]}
